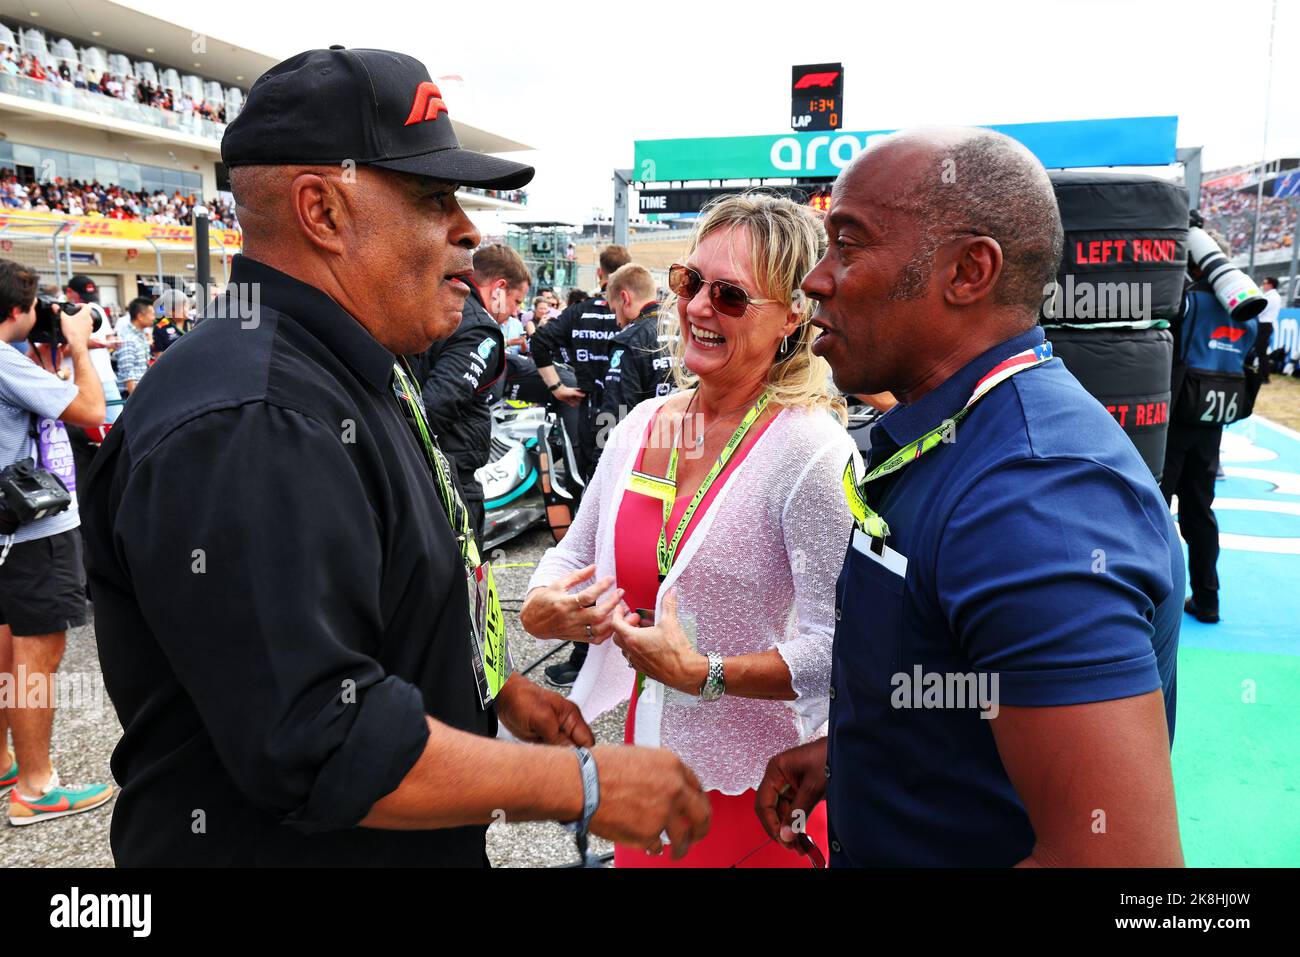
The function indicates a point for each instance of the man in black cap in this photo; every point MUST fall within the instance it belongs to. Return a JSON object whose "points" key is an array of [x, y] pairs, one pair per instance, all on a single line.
{"points": [[305, 653], [80, 289]]}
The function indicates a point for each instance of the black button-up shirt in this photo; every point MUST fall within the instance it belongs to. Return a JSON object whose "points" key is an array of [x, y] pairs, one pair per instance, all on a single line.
{"points": [[279, 598]]}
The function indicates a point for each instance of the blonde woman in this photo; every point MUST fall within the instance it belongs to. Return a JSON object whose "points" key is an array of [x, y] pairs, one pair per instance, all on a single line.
{"points": [[718, 513]]}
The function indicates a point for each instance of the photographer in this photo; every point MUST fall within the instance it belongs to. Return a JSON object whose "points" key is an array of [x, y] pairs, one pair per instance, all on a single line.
{"points": [[41, 590], [1211, 389]]}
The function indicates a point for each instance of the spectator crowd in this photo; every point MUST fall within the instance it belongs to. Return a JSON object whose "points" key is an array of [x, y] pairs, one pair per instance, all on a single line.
{"points": [[127, 87], [1232, 213], [94, 199]]}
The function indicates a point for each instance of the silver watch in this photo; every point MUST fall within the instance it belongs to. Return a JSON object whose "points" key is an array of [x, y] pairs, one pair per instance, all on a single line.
{"points": [[714, 686]]}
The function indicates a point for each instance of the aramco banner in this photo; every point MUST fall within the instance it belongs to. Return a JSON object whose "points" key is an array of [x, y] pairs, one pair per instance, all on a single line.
{"points": [[1133, 141]]}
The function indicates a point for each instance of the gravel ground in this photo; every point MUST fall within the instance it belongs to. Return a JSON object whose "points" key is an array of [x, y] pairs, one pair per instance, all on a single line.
{"points": [[84, 738]]}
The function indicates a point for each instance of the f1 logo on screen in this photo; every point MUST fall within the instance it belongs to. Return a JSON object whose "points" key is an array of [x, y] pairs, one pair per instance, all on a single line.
{"points": [[816, 97]]}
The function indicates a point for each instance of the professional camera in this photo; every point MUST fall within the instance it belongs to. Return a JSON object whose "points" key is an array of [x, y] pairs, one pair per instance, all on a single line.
{"points": [[29, 493], [1236, 291], [48, 328]]}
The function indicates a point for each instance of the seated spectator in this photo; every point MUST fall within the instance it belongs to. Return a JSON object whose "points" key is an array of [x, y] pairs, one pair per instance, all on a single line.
{"points": [[96, 199]]}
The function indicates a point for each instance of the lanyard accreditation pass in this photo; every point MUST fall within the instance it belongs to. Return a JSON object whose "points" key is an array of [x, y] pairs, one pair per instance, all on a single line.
{"points": [[666, 488], [870, 522], [487, 626]]}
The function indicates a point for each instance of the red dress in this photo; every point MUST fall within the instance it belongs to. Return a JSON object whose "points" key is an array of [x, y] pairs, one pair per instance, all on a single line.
{"points": [[735, 838]]}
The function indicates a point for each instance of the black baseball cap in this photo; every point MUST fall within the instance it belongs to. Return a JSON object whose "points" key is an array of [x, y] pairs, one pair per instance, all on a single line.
{"points": [[373, 107], [84, 287]]}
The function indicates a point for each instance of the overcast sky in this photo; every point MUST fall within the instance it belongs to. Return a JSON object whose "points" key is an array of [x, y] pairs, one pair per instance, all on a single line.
{"points": [[581, 81]]}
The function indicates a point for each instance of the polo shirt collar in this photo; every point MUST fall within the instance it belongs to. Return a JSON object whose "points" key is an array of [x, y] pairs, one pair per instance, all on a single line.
{"points": [[907, 423], [320, 316]]}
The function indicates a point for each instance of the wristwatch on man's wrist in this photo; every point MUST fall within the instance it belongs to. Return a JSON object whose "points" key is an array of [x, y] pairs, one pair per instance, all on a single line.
{"points": [[714, 686], [555, 385]]}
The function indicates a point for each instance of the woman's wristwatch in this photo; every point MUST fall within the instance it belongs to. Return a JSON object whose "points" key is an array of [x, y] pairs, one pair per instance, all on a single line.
{"points": [[714, 686]]}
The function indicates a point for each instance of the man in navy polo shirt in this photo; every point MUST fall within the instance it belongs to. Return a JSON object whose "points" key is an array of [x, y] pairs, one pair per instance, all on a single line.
{"points": [[1002, 689]]}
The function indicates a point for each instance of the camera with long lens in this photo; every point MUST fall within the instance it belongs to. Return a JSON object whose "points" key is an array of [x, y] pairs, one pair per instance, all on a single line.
{"points": [[48, 327], [1236, 291]]}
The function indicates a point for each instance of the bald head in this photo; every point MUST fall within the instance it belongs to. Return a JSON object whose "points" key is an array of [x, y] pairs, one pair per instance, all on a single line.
{"points": [[962, 181], [942, 245]]}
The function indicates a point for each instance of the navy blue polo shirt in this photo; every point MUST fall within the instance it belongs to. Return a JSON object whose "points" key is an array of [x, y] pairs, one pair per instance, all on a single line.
{"points": [[1032, 561]]}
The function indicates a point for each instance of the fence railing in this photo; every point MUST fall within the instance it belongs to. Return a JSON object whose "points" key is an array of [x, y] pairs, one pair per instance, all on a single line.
{"points": [[64, 94], [653, 236]]}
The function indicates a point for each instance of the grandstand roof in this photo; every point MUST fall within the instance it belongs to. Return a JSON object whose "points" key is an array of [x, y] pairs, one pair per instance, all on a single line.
{"points": [[1273, 171], [145, 37]]}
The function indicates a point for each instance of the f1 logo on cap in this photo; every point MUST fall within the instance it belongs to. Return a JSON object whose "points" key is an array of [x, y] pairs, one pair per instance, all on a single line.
{"points": [[428, 103]]}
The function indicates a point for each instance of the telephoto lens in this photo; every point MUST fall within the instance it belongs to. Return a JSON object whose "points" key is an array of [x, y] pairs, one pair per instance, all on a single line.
{"points": [[48, 328], [1235, 290]]}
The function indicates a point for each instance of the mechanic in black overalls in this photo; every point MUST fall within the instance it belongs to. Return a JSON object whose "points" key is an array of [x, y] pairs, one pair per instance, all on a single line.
{"points": [[584, 330], [640, 367], [462, 376]]}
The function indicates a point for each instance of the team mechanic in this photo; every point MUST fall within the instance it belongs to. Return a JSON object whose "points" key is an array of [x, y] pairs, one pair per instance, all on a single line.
{"points": [[290, 645], [584, 330], [464, 373], [639, 367]]}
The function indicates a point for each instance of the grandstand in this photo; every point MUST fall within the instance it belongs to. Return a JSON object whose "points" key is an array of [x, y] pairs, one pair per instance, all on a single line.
{"points": [[110, 136], [1228, 198]]}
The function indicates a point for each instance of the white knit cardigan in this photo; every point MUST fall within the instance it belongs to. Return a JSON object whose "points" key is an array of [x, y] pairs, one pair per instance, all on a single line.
{"points": [[757, 572]]}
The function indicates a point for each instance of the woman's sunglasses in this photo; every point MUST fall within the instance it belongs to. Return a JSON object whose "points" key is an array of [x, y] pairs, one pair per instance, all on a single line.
{"points": [[725, 297]]}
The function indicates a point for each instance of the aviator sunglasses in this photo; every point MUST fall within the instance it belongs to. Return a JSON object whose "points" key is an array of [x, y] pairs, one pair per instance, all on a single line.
{"points": [[725, 297]]}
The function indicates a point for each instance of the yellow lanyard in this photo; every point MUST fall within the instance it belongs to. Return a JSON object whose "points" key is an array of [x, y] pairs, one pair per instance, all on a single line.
{"points": [[496, 668], [666, 553], [871, 522]]}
